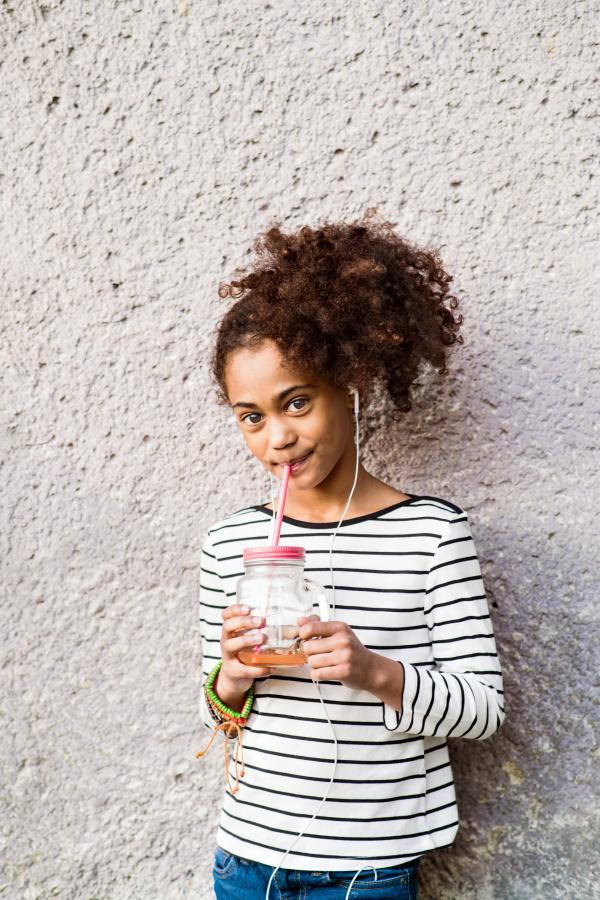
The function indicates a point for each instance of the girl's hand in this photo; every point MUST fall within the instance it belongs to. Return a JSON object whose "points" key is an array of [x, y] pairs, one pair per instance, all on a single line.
{"points": [[337, 654], [239, 633]]}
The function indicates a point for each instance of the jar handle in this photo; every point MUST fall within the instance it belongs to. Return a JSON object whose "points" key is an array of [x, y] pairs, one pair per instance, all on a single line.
{"points": [[318, 592]]}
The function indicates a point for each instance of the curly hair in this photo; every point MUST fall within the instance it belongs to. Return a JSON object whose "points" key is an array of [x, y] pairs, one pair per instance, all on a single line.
{"points": [[352, 302]]}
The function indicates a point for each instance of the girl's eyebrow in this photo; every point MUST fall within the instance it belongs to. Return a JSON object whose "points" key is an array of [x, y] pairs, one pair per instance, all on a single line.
{"points": [[280, 396], [296, 387]]}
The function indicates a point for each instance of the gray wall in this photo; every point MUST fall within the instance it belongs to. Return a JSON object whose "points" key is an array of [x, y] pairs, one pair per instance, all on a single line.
{"points": [[143, 146]]}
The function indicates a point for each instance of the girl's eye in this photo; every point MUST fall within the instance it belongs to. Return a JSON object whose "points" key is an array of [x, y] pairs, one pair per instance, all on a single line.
{"points": [[297, 405], [253, 418]]}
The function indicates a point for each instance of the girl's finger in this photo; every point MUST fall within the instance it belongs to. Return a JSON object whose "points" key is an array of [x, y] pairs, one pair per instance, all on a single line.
{"points": [[236, 609], [322, 660], [230, 626], [242, 671], [328, 673], [261, 671], [321, 646], [317, 628], [233, 646]]}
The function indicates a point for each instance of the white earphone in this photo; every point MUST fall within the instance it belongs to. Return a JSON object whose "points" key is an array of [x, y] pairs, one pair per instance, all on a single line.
{"points": [[354, 391]]}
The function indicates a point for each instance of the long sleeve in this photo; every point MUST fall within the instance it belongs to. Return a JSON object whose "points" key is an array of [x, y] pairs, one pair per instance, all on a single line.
{"points": [[212, 601], [460, 695]]}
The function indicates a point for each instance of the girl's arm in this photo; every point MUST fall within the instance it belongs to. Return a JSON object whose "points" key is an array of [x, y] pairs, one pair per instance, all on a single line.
{"points": [[212, 602], [462, 696], [225, 631]]}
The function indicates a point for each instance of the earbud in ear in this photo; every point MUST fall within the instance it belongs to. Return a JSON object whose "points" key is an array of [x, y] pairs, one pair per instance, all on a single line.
{"points": [[354, 391]]}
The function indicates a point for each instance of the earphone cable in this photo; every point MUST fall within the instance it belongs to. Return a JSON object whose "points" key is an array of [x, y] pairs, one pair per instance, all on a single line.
{"points": [[335, 533], [323, 801], [272, 531], [316, 684]]}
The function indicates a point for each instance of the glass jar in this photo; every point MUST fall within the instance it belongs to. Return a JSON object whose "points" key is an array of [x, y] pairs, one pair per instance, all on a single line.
{"points": [[274, 587]]}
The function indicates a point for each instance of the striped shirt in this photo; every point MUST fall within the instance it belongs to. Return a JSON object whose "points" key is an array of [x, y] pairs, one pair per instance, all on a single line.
{"points": [[408, 583]]}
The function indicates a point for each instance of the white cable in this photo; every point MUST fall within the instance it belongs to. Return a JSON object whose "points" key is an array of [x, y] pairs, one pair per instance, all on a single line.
{"points": [[347, 505], [320, 807], [316, 684], [272, 532], [321, 804], [366, 866]]}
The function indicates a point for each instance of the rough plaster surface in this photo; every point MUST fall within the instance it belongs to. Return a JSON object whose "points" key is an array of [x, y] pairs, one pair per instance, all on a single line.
{"points": [[143, 145]]}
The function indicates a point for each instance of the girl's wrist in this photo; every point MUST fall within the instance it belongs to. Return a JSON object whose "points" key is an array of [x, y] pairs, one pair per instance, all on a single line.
{"points": [[229, 693], [386, 680]]}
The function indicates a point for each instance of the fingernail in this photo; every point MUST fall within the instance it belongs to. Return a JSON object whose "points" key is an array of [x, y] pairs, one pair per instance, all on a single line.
{"points": [[244, 610], [257, 620]]}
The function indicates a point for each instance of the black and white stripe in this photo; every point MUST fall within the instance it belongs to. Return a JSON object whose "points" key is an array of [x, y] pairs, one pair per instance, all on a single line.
{"points": [[408, 582]]}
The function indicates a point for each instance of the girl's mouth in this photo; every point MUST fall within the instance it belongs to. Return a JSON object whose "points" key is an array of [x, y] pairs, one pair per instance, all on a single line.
{"points": [[297, 464]]}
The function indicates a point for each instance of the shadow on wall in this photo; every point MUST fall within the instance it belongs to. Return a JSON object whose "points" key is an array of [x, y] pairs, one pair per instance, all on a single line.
{"points": [[524, 795], [519, 459]]}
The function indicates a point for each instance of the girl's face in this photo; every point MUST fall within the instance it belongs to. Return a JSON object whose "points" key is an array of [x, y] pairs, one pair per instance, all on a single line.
{"points": [[287, 416]]}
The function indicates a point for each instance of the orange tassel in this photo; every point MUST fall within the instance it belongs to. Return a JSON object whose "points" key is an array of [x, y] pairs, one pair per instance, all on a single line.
{"points": [[228, 729]]}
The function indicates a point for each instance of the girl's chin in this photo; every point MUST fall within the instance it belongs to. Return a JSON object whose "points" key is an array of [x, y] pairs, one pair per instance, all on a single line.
{"points": [[304, 484], [306, 479]]}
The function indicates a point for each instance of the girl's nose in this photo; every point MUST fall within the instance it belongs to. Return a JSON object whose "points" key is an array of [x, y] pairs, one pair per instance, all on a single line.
{"points": [[281, 435]]}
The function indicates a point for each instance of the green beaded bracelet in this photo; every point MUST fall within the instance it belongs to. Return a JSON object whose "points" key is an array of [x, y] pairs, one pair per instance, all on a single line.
{"points": [[215, 701]]}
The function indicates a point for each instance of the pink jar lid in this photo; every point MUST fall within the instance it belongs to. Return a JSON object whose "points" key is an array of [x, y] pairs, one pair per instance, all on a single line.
{"points": [[282, 553]]}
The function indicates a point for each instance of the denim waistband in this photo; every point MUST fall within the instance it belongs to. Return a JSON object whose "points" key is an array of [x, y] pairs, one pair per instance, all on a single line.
{"points": [[339, 873]]}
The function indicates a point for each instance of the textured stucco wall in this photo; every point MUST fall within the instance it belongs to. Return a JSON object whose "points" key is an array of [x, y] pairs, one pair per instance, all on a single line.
{"points": [[142, 146]]}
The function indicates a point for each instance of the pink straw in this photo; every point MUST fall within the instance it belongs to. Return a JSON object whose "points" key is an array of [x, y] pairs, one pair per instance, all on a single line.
{"points": [[281, 504], [280, 508]]}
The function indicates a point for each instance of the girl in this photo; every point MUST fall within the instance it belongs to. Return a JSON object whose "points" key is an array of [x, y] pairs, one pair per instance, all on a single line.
{"points": [[409, 659]]}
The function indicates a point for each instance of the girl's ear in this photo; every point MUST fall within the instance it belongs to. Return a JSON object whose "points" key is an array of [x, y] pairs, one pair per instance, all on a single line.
{"points": [[353, 398]]}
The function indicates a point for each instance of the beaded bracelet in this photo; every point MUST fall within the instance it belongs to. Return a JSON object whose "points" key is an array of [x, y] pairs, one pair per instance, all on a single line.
{"points": [[227, 713], [228, 721]]}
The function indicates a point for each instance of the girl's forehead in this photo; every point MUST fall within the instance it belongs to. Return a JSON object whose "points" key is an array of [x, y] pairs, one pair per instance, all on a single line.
{"points": [[266, 354], [262, 373]]}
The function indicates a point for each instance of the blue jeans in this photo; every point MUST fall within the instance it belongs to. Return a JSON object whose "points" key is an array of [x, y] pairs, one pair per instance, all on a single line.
{"points": [[240, 879]]}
